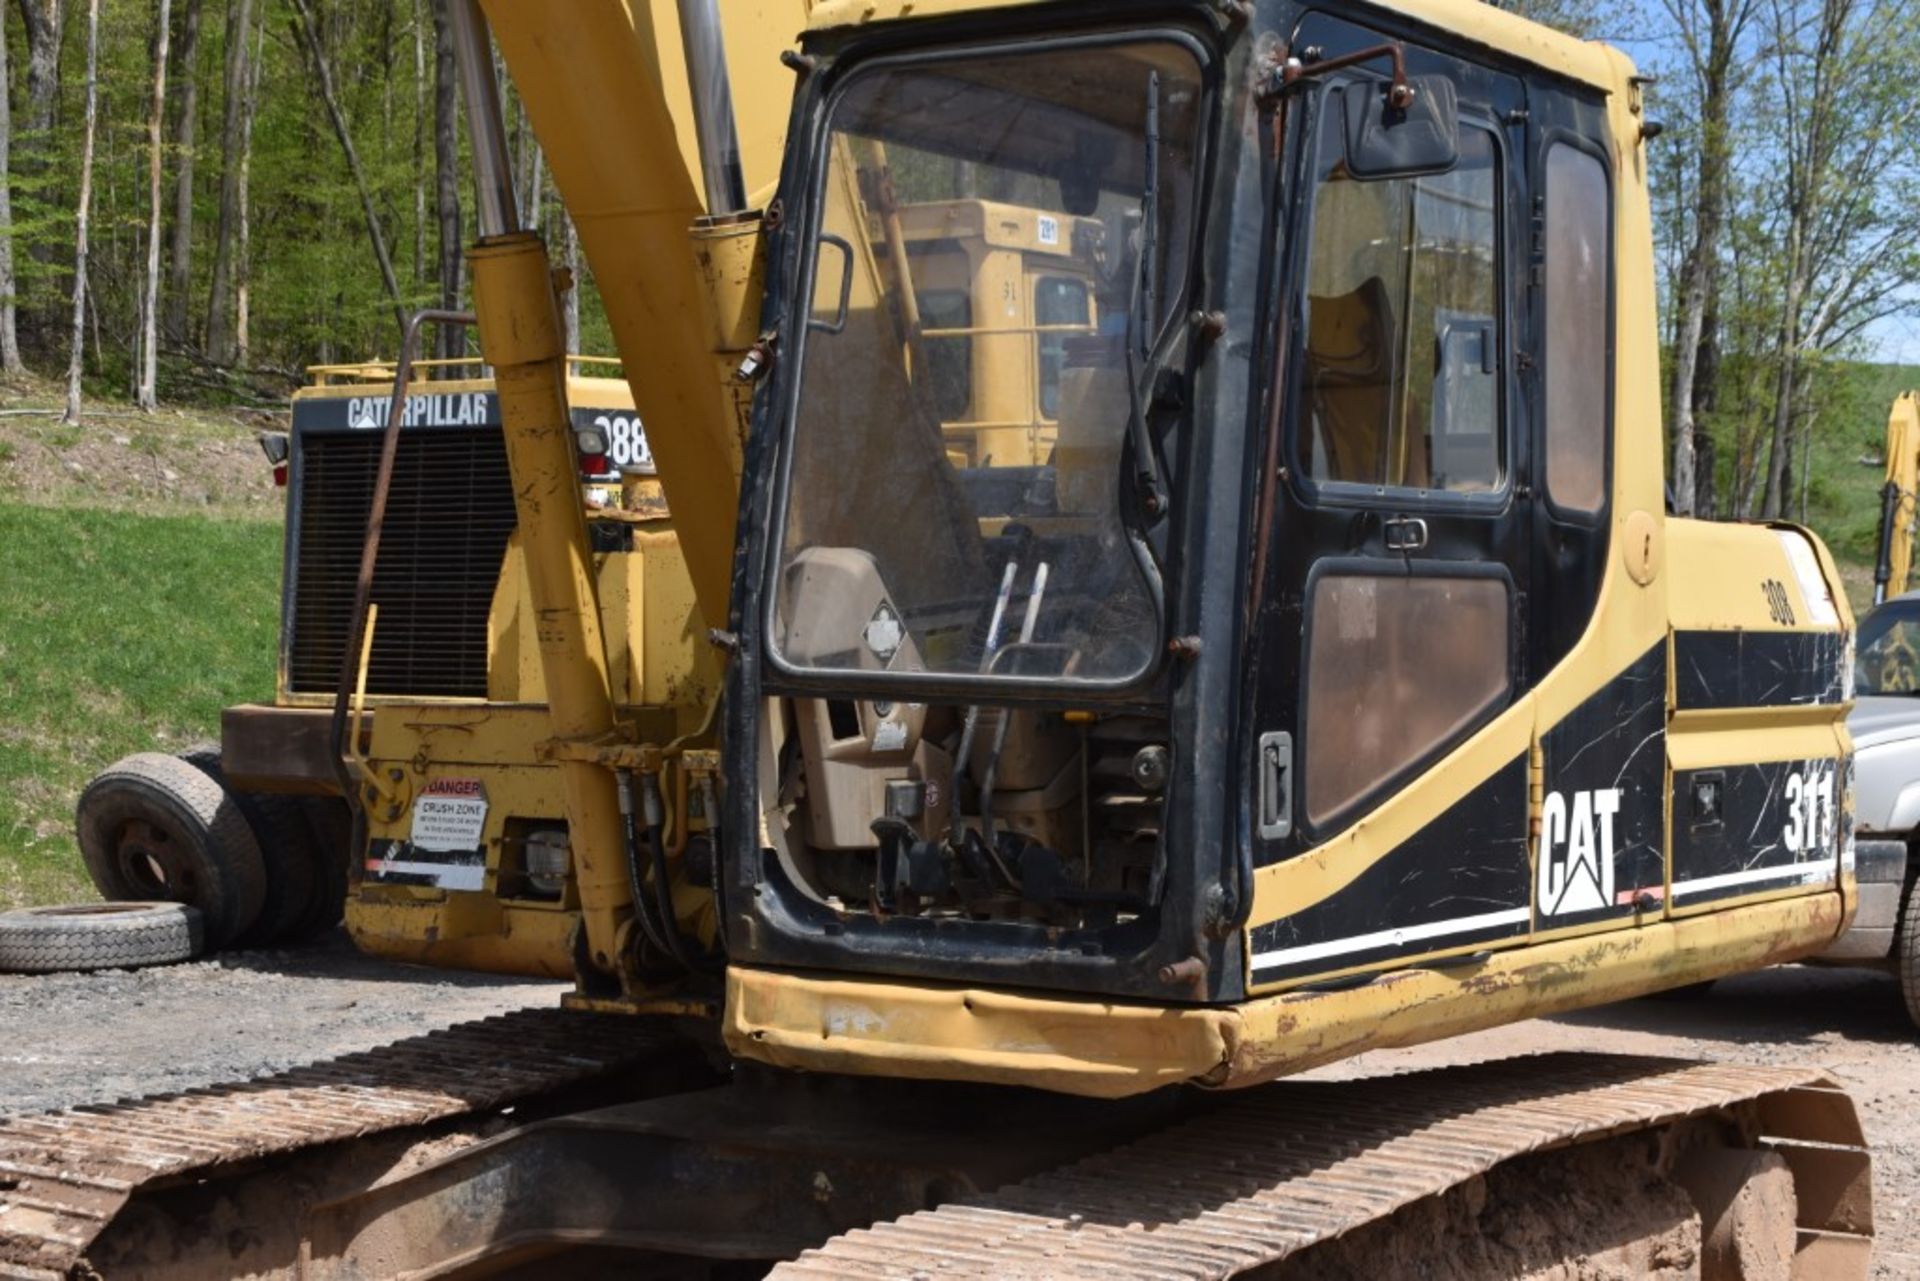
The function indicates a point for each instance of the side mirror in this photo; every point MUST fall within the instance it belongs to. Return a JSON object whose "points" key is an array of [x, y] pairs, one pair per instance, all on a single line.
{"points": [[1403, 129]]}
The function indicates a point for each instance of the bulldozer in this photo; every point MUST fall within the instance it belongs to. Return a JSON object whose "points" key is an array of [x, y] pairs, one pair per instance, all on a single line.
{"points": [[457, 630], [1321, 672]]}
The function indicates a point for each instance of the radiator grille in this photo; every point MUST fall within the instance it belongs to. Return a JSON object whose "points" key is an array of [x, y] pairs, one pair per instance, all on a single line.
{"points": [[449, 514]]}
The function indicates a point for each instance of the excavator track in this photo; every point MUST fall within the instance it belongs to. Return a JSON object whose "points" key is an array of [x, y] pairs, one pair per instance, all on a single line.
{"points": [[65, 1175], [1287, 1167]]}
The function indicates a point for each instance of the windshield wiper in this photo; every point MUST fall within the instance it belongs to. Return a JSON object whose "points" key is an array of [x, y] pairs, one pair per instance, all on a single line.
{"points": [[1141, 309]]}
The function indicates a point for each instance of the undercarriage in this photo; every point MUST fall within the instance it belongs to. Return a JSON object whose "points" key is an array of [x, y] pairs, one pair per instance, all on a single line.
{"points": [[613, 1145]]}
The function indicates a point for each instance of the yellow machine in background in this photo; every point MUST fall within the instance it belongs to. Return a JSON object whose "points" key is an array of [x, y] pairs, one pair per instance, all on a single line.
{"points": [[452, 587], [456, 632], [1894, 560]]}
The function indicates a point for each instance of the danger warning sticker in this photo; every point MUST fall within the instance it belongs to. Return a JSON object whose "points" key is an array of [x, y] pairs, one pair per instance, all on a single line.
{"points": [[450, 814]]}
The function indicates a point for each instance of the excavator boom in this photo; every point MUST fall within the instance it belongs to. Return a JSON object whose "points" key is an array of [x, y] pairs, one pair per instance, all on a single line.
{"points": [[608, 93]]}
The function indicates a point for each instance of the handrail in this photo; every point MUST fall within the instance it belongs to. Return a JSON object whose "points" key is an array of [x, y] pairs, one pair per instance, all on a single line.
{"points": [[334, 375], [370, 556]]}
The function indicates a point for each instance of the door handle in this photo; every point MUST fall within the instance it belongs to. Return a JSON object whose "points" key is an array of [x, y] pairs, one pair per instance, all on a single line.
{"points": [[839, 322], [1273, 787], [1405, 534]]}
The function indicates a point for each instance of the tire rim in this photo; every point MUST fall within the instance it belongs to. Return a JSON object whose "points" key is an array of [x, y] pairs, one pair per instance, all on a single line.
{"points": [[154, 862]]}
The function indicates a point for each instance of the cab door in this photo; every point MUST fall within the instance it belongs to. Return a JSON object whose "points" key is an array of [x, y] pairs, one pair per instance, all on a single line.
{"points": [[1392, 586]]}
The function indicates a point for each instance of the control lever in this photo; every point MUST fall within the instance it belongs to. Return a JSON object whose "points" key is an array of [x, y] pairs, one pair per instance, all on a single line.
{"points": [[972, 723], [1027, 625]]}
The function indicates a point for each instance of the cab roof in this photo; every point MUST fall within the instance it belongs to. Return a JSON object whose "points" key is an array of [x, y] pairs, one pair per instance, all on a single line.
{"points": [[1589, 62]]}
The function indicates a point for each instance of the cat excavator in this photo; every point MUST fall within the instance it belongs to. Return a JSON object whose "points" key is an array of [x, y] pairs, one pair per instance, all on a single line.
{"points": [[1320, 673]]}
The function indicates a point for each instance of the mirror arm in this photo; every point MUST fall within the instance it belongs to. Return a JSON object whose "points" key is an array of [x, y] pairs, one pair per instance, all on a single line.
{"points": [[1400, 95]]}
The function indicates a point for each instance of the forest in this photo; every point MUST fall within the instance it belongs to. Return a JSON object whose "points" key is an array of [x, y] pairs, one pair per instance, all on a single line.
{"points": [[201, 197]]}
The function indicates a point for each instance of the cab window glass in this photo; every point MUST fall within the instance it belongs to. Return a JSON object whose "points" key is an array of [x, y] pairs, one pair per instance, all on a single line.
{"points": [[1403, 325], [1888, 658], [949, 353], [1060, 310], [1576, 308], [987, 544], [1396, 668]]}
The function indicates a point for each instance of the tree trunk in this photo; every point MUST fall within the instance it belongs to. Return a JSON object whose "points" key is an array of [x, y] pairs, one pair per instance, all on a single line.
{"points": [[78, 349], [1806, 463], [419, 144], [307, 31], [45, 24], [146, 394], [1706, 399], [185, 126], [446, 166], [1810, 140], [10, 363], [45, 20], [1725, 21], [220, 346], [243, 249], [1707, 500], [529, 173], [533, 205], [1772, 503]]}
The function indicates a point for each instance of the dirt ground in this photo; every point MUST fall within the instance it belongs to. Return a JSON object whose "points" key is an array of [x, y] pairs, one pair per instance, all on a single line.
{"points": [[72, 1039]]}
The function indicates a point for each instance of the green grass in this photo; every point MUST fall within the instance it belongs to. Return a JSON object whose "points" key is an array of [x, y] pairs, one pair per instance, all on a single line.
{"points": [[118, 633]]}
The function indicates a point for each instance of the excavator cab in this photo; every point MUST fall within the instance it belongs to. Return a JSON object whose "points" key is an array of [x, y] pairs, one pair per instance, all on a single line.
{"points": [[1325, 633], [965, 618]]}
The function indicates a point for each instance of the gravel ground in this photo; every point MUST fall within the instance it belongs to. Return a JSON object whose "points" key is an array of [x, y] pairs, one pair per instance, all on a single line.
{"points": [[67, 1039], [72, 1039]]}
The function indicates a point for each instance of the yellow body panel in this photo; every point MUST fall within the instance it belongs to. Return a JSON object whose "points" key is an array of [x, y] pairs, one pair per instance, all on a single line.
{"points": [[658, 654], [1112, 1050], [464, 932], [586, 388]]}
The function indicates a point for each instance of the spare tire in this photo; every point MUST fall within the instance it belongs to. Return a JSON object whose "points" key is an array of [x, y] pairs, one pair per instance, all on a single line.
{"points": [[98, 936], [286, 852], [153, 827]]}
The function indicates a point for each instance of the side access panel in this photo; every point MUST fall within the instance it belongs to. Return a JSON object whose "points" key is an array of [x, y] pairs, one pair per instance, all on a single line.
{"points": [[1761, 795]]}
